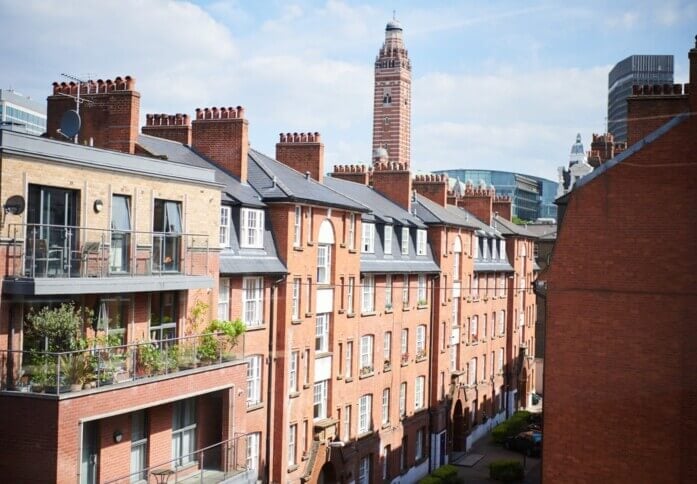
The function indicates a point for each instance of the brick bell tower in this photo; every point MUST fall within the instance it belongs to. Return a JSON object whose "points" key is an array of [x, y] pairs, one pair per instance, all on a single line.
{"points": [[392, 98]]}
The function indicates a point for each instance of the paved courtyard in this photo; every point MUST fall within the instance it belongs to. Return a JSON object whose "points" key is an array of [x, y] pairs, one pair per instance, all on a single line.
{"points": [[479, 472]]}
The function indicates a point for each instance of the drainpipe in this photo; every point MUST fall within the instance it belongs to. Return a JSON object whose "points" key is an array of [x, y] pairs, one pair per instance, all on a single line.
{"points": [[434, 354], [272, 358]]}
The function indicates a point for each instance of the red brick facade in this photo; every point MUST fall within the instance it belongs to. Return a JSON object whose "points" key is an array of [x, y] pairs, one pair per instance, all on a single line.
{"points": [[303, 152], [222, 135]]}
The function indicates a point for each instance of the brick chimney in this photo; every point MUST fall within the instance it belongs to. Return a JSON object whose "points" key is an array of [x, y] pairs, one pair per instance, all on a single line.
{"points": [[651, 106], [393, 180], [303, 152], [174, 127], [433, 187], [222, 135], [502, 204], [479, 201], [603, 148], [109, 115], [353, 173]]}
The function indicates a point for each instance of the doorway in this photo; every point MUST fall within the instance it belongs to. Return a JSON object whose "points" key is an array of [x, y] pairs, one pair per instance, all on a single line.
{"points": [[89, 465]]}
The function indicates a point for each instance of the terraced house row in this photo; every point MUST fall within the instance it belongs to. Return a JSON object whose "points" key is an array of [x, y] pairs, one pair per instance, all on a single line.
{"points": [[175, 303]]}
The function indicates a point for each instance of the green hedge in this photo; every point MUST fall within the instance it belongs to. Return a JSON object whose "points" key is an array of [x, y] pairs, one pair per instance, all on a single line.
{"points": [[514, 425], [430, 480], [446, 474], [506, 470]]}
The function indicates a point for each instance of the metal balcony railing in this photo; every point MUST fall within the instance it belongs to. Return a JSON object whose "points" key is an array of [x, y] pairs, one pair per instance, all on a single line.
{"points": [[62, 251], [95, 367], [225, 461]]}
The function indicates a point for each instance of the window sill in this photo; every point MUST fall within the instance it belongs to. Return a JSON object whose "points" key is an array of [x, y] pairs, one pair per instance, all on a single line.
{"points": [[386, 425], [293, 394], [296, 321], [348, 379], [308, 315], [422, 306], [259, 327], [255, 406], [342, 245], [368, 313], [350, 315], [292, 468], [366, 375], [310, 243], [388, 311], [306, 386], [404, 363], [405, 308], [365, 434], [304, 457], [341, 311], [423, 358], [386, 368], [298, 248], [353, 251], [322, 354]]}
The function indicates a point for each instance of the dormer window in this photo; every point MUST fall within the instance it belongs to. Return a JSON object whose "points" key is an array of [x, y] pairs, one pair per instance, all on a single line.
{"points": [[368, 238], [252, 228], [388, 239], [420, 242], [475, 246], [405, 240], [494, 244], [224, 226], [502, 249]]}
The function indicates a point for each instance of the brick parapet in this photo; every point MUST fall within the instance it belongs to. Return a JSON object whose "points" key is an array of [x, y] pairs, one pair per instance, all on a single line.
{"points": [[174, 127], [303, 152], [354, 173]]}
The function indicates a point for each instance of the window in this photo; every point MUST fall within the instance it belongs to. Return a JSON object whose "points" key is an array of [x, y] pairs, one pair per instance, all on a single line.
{"points": [[224, 226], [310, 224], [322, 333], [388, 291], [454, 353], [405, 290], [403, 399], [484, 374], [386, 462], [306, 367], [421, 341], [167, 225], [472, 372], [163, 315], [365, 405], [421, 293], [297, 226], [420, 242], [388, 239], [367, 353], [492, 364], [368, 300], [500, 362], [386, 99], [475, 286], [419, 392], [252, 233], [502, 249], [502, 322], [254, 380], [184, 432], [474, 330], [139, 447], [224, 299], [352, 231], [419, 445], [347, 423], [386, 406], [494, 246], [403, 454], [368, 237], [348, 360], [349, 295], [404, 344], [319, 393], [112, 315], [475, 246], [295, 303], [387, 347], [456, 266], [364, 468], [119, 252], [405, 240], [292, 444], [323, 263], [253, 441], [293, 372], [309, 294], [252, 304], [484, 321]]}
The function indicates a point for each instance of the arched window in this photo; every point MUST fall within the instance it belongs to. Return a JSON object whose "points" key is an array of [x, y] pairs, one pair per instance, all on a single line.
{"points": [[386, 99]]}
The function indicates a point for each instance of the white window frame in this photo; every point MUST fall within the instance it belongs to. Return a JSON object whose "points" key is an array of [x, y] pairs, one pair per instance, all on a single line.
{"points": [[365, 413], [352, 231], [368, 294], [403, 399], [253, 301], [324, 263], [456, 267], [419, 445], [474, 328], [421, 294], [405, 241], [386, 406], [225, 219], [298, 226], [472, 371], [253, 441], [184, 437], [502, 322], [475, 245], [500, 361], [322, 333], [388, 231], [388, 291], [292, 444], [254, 379], [295, 301], [348, 360], [502, 249], [224, 299], [367, 345], [421, 339], [252, 228], [347, 423], [405, 289], [419, 385], [319, 399], [349, 294], [420, 242], [404, 342], [293, 371], [387, 346], [367, 238], [364, 470]]}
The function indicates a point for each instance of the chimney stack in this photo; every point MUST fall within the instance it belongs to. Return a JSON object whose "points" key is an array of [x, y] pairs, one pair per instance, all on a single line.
{"points": [[393, 180], [303, 152], [433, 187], [222, 135], [353, 173], [174, 127], [503, 205], [479, 201], [109, 115]]}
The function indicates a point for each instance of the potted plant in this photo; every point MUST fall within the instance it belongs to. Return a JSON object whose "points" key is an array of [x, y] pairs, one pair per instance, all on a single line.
{"points": [[77, 369], [149, 359]]}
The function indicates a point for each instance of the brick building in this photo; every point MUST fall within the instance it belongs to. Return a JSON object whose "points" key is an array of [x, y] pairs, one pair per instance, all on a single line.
{"points": [[621, 334]]}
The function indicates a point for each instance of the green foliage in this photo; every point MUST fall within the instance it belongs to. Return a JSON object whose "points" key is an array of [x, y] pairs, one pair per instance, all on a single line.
{"points": [[519, 221], [513, 426], [152, 359], [430, 480], [447, 474], [506, 470], [231, 329], [61, 326], [77, 368]]}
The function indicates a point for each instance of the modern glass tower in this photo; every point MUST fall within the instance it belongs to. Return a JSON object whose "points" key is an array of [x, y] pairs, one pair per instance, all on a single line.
{"points": [[635, 69], [18, 109]]}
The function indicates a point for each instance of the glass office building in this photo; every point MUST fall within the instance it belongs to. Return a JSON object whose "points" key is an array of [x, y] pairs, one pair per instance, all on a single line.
{"points": [[533, 197], [18, 109]]}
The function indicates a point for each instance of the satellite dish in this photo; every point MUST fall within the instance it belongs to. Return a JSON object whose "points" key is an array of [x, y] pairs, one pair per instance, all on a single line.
{"points": [[70, 123], [14, 205]]}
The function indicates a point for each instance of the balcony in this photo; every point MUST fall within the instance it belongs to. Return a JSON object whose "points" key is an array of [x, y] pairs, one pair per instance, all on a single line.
{"points": [[56, 259], [100, 368]]}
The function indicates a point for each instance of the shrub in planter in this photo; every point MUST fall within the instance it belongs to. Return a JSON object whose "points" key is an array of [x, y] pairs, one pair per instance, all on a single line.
{"points": [[430, 480], [505, 470], [447, 474], [513, 426]]}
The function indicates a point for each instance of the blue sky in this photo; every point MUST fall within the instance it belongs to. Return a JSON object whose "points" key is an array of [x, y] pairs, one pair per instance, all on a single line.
{"points": [[500, 85]]}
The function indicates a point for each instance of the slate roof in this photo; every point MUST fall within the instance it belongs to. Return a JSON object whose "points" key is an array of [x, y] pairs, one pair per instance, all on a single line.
{"points": [[276, 182], [234, 192], [509, 228], [432, 213]]}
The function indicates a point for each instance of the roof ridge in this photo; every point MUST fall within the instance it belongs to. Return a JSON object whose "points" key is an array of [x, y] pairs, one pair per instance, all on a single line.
{"points": [[347, 196]]}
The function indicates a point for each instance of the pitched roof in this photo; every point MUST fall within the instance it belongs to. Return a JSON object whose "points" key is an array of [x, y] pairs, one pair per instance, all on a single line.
{"points": [[234, 191], [277, 182], [509, 228]]}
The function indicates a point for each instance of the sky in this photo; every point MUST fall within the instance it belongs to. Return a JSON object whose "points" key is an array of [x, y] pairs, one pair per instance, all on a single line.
{"points": [[496, 85]]}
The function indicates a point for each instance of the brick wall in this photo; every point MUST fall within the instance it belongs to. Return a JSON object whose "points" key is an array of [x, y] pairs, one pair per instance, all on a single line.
{"points": [[174, 127], [303, 152], [393, 180], [433, 187], [650, 107], [353, 173], [222, 135]]}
